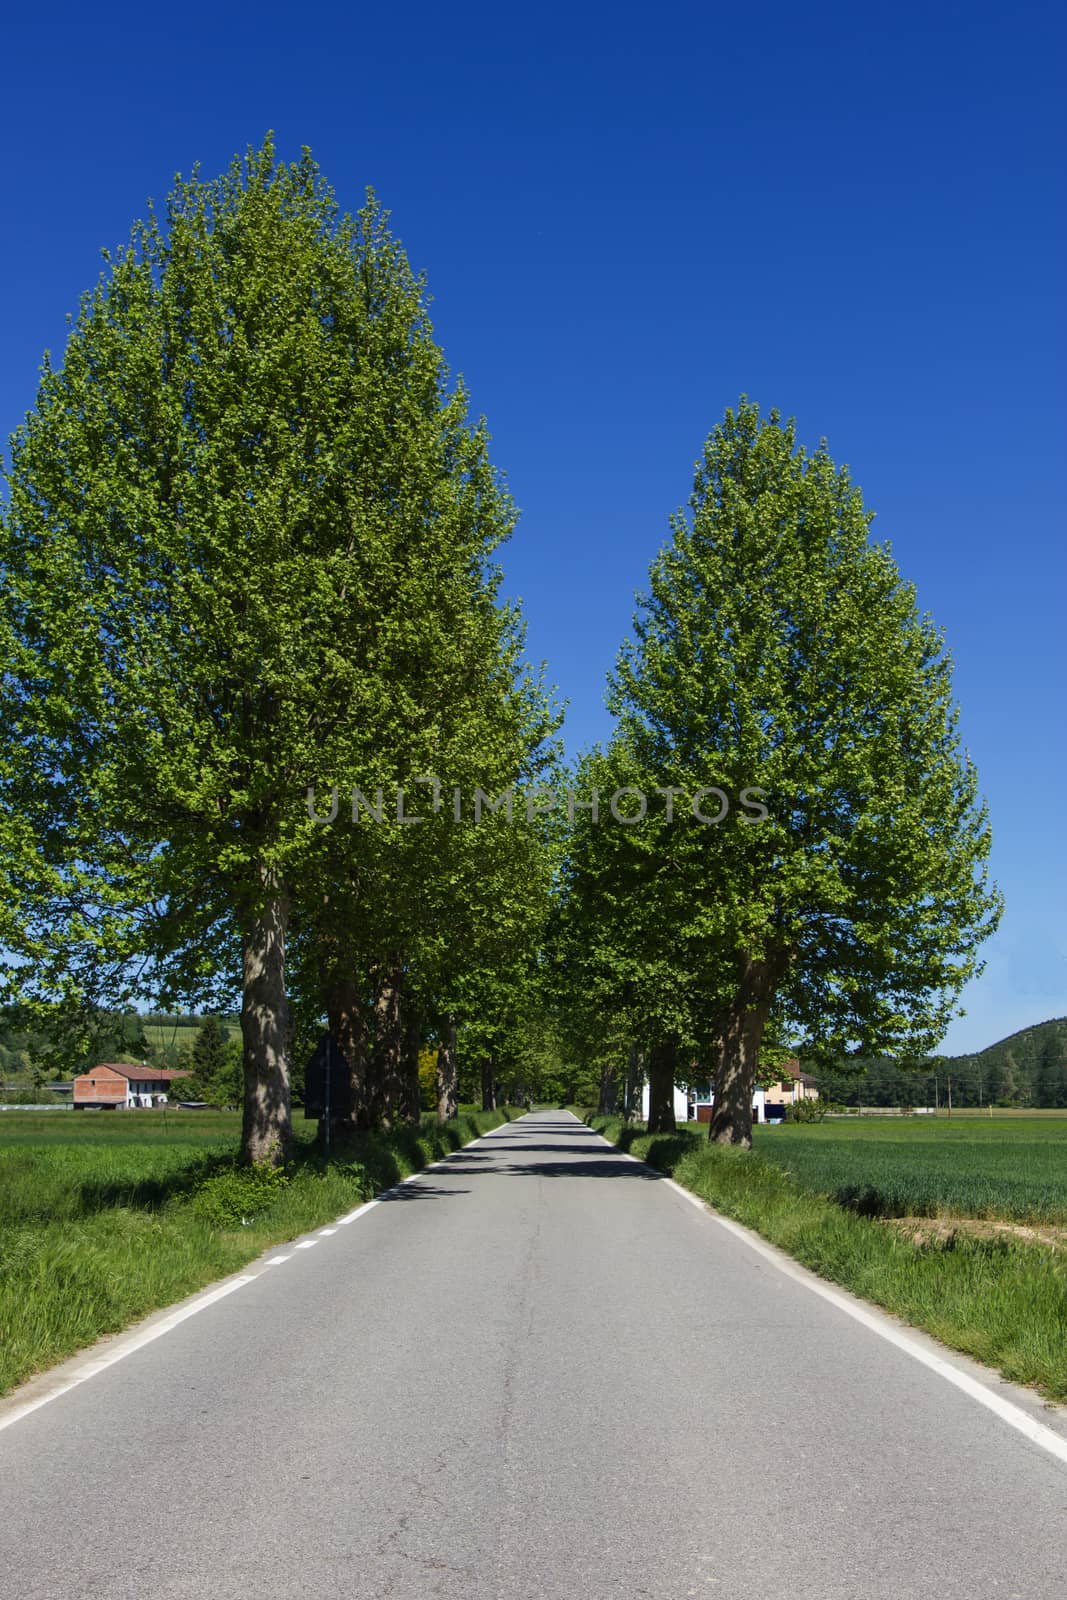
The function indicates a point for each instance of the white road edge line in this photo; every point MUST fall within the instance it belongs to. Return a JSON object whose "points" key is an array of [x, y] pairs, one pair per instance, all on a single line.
{"points": [[132, 1342], [126, 1344], [875, 1321]]}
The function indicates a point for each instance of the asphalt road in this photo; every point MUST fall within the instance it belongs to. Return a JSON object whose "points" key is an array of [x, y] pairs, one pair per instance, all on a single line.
{"points": [[537, 1372]]}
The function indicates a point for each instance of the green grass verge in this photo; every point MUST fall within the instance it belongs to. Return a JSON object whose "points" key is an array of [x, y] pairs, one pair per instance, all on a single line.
{"points": [[1001, 1301], [105, 1217]]}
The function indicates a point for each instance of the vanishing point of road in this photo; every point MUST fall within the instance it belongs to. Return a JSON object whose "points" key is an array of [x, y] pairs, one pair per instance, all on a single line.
{"points": [[535, 1371]]}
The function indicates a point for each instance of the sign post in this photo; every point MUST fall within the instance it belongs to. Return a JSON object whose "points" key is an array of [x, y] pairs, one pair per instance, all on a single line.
{"points": [[328, 1085], [328, 1096]]}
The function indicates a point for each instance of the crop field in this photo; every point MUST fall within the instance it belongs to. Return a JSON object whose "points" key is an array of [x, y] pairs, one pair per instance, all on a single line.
{"points": [[1013, 1168], [162, 1035], [56, 1166]]}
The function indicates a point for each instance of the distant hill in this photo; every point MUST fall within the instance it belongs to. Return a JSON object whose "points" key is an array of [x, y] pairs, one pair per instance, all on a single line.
{"points": [[1029, 1068], [1026, 1068]]}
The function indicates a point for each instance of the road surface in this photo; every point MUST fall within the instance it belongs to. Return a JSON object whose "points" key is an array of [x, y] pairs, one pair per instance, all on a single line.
{"points": [[536, 1372]]}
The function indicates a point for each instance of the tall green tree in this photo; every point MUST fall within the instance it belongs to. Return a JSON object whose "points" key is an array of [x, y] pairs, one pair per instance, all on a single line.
{"points": [[779, 650], [403, 924], [626, 932], [243, 551], [208, 1054]]}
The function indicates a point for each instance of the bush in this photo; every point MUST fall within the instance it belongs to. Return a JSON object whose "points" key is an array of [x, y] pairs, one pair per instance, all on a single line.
{"points": [[232, 1199], [23, 1096], [808, 1111]]}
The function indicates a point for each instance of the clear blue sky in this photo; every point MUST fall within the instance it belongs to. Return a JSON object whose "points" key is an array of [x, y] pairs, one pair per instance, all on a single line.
{"points": [[628, 217]]}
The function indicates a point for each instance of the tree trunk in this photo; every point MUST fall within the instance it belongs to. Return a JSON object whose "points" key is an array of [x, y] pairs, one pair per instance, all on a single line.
{"points": [[742, 1035], [347, 1020], [488, 1085], [387, 1057], [447, 1073], [411, 1090], [267, 1124], [633, 1084], [609, 1090], [662, 1063]]}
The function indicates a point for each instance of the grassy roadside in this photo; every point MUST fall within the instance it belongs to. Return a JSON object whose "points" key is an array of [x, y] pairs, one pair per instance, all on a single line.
{"points": [[1001, 1301], [102, 1223]]}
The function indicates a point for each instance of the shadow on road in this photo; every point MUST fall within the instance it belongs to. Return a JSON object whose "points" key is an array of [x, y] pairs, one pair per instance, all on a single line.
{"points": [[577, 1156], [419, 1191], [568, 1166], [527, 1144], [606, 1167]]}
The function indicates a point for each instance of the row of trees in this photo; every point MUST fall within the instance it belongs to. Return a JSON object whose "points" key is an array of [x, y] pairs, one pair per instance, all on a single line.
{"points": [[777, 658], [247, 553], [248, 569]]}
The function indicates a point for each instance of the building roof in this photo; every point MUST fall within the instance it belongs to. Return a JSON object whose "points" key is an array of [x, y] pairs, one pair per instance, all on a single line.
{"points": [[791, 1070], [137, 1073]]}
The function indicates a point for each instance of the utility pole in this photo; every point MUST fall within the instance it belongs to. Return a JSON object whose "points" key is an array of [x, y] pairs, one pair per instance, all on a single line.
{"points": [[950, 1094], [327, 1096]]}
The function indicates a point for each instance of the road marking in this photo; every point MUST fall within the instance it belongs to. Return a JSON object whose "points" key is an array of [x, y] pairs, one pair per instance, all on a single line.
{"points": [[124, 1347], [325, 1232], [876, 1321], [126, 1344]]}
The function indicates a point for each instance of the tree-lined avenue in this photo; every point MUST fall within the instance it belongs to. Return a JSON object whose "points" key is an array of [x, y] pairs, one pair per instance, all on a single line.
{"points": [[534, 1371]]}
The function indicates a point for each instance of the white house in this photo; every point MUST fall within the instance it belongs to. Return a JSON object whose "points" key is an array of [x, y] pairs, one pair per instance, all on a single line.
{"points": [[702, 1100], [681, 1103], [771, 1104]]}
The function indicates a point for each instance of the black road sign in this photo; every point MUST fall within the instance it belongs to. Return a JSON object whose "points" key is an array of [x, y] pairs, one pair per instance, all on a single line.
{"points": [[328, 1081]]}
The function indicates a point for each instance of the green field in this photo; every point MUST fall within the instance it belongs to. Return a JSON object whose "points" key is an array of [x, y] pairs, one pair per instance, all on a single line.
{"points": [[1013, 1167], [162, 1035], [61, 1167], [106, 1216]]}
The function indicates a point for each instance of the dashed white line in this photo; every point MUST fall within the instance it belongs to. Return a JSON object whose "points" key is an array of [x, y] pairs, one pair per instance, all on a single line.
{"points": [[125, 1346]]}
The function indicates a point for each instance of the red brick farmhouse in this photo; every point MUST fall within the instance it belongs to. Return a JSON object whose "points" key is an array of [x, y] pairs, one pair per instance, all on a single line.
{"points": [[123, 1085]]}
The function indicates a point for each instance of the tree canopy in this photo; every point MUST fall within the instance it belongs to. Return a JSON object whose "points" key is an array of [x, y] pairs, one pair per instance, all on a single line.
{"points": [[246, 551], [779, 658], [248, 570]]}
